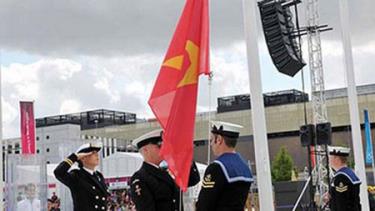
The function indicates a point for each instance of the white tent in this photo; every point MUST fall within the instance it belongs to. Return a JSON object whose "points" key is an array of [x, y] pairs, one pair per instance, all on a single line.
{"points": [[125, 164], [121, 164]]}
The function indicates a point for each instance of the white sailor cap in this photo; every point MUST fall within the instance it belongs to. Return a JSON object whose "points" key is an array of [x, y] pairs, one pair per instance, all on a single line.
{"points": [[153, 137], [339, 151], [226, 129], [90, 147]]}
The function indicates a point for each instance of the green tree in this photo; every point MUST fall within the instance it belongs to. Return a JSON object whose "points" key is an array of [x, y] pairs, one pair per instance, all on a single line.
{"points": [[282, 166]]}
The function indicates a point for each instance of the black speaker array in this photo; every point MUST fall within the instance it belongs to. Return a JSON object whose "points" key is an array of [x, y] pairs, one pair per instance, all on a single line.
{"points": [[322, 133], [278, 30], [307, 134]]}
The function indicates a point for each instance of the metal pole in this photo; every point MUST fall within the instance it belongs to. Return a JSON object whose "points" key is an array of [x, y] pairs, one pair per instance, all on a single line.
{"points": [[257, 108], [353, 104], [209, 98], [303, 192], [1, 147], [209, 119]]}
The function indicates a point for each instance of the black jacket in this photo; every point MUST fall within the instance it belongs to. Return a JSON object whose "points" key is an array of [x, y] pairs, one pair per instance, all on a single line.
{"points": [[217, 194], [153, 189], [225, 185], [344, 191], [88, 192]]}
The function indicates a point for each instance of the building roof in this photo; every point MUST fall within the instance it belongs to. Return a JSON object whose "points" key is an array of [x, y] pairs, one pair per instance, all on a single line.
{"points": [[89, 119]]}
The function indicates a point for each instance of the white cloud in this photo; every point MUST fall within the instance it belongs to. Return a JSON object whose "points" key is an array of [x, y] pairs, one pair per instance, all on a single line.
{"points": [[70, 106], [103, 84], [10, 119], [64, 67], [22, 81], [108, 54], [10, 113], [230, 70]]}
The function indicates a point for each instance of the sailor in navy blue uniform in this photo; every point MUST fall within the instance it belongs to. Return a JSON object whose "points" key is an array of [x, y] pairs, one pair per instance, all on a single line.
{"points": [[152, 187], [344, 191], [87, 186], [227, 180]]}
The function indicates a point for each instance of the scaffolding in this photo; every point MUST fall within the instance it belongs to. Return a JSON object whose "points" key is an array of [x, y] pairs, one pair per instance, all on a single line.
{"points": [[321, 172]]}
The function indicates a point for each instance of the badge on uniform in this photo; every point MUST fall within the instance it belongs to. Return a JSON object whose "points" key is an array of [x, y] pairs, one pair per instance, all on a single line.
{"points": [[207, 183], [341, 188], [138, 190]]}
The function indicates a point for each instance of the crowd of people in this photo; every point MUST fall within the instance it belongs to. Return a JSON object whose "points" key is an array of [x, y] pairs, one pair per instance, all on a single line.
{"points": [[120, 200], [53, 203]]}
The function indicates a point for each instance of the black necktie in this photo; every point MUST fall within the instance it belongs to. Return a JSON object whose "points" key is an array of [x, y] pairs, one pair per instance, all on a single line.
{"points": [[96, 175]]}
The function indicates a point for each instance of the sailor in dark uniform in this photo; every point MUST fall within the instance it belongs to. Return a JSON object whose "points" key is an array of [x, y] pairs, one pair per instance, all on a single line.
{"points": [[227, 180], [152, 187], [89, 192], [344, 191]]}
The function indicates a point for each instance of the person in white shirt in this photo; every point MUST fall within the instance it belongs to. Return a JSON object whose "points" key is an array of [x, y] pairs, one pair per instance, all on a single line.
{"points": [[31, 203]]}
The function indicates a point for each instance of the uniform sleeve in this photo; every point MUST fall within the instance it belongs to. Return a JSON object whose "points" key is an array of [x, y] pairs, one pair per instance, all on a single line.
{"points": [[61, 171], [343, 186], [212, 187], [194, 176], [141, 195]]}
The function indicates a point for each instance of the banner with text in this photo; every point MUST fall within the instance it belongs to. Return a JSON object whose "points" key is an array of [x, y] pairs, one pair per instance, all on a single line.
{"points": [[27, 128]]}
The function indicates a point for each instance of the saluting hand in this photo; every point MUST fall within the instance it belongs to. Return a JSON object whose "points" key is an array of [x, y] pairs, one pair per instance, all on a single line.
{"points": [[326, 197], [83, 154]]}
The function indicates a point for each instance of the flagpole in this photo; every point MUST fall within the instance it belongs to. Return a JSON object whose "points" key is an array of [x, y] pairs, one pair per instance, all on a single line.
{"points": [[257, 108], [209, 119], [1, 147], [353, 104], [210, 76]]}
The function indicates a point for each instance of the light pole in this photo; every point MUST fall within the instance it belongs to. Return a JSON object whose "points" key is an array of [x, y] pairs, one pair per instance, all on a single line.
{"points": [[101, 155]]}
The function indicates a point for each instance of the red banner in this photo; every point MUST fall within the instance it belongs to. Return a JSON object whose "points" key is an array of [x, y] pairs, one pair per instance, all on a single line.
{"points": [[27, 128]]}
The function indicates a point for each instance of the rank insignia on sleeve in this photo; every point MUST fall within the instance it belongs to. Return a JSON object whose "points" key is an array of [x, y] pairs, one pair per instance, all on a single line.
{"points": [[207, 183], [341, 188], [68, 161]]}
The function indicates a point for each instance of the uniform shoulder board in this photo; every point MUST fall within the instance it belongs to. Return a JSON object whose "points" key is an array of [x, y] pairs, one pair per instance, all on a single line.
{"points": [[135, 181]]}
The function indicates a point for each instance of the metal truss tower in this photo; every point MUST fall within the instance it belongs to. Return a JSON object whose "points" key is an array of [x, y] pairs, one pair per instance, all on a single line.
{"points": [[320, 172]]}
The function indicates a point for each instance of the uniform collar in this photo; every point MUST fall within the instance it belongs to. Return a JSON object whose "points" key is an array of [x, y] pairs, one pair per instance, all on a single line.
{"points": [[89, 170], [154, 165]]}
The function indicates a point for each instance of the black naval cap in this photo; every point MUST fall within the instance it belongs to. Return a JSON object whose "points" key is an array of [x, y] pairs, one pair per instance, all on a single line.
{"points": [[226, 129], [153, 137], [89, 147], [339, 151]]}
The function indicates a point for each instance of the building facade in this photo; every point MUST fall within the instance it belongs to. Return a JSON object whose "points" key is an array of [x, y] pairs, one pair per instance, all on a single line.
{"points": [[283, 122]]}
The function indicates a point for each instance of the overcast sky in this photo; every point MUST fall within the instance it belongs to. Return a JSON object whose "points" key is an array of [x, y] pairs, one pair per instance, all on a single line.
{"points": [[71, 56]]}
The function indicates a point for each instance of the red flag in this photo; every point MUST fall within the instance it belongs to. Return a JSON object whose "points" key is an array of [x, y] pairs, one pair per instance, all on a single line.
{"points": [[27, 128], [174, 97]]}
